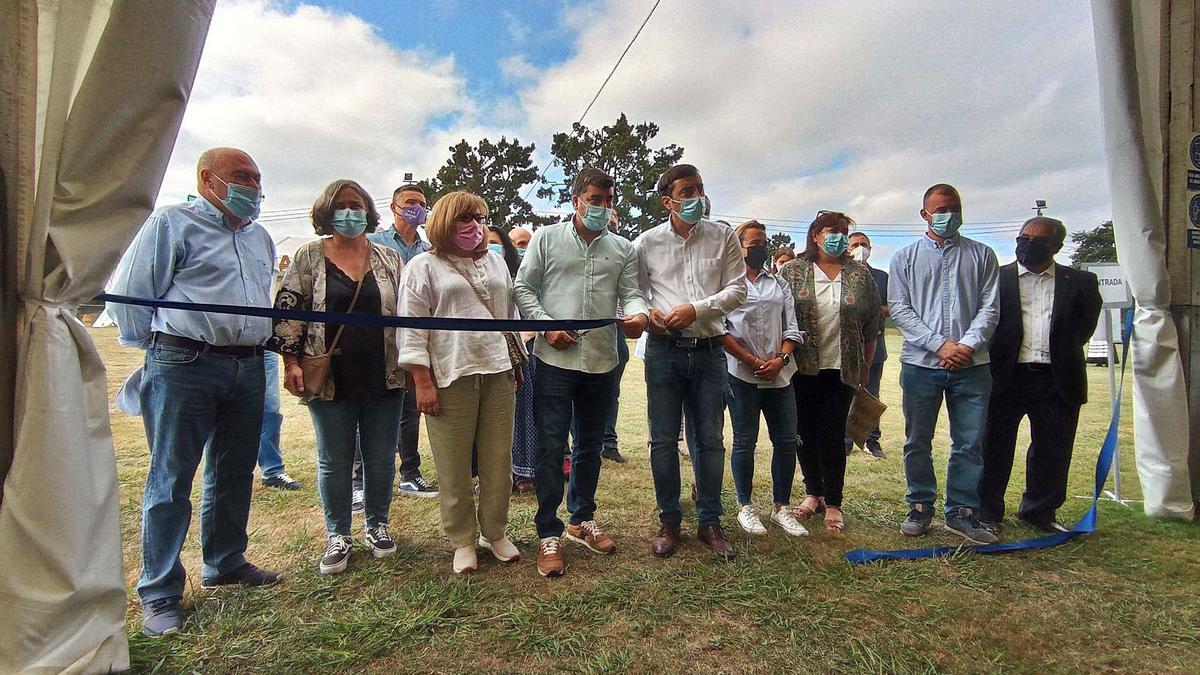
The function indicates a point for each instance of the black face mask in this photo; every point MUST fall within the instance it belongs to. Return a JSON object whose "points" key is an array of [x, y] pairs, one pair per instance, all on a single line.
{"points": [[756, 257], [1033, 252]]}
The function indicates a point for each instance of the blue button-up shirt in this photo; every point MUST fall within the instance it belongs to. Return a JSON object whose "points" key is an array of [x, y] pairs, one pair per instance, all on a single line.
{"points": [[188, 253], [391, 238], [939, 292]]}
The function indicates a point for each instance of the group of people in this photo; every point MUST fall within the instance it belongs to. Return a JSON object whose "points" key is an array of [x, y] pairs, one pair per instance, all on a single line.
{"points": [[727, 327]]}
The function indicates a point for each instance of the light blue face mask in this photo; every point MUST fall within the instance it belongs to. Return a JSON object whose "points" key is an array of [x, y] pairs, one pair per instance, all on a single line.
{"points": [[595, 218], [349, 223], [243, 202], [498, 249], [835, 244], [945, 225], [690, 210]]}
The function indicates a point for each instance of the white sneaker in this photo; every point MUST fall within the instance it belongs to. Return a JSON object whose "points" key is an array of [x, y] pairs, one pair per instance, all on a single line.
{"points": [[782, 516], [502, 548], [749, 521], [465, 560]]}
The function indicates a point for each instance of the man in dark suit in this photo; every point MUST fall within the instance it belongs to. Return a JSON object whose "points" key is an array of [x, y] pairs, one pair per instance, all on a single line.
{"points": [[1047, 314], [860, 250]]}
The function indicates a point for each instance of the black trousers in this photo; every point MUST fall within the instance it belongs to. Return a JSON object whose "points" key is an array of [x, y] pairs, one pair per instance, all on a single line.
{"points": [[822, 404], [1052, 425], [406, 446]]}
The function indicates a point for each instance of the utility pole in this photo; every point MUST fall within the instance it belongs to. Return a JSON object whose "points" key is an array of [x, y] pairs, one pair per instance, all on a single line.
{"points": [[1039, 205]]}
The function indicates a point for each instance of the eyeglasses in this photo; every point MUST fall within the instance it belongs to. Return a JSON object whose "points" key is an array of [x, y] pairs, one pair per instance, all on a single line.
{"points": [[480, 218], [1024, 238]]}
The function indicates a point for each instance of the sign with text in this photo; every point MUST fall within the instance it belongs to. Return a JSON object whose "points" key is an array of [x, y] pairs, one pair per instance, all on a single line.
{"points": [[1193, 180], [1114, 289], [1193, 238]]}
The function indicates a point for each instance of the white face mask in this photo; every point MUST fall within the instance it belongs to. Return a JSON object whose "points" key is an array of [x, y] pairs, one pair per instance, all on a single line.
{"points": [[861, 254]]}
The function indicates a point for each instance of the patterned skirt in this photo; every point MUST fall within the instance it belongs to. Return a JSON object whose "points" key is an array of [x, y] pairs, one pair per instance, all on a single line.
{"points": [[524, 446]]}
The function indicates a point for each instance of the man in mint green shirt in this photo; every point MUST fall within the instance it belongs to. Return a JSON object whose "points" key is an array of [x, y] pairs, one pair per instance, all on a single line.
{"points": [[575, 270]]}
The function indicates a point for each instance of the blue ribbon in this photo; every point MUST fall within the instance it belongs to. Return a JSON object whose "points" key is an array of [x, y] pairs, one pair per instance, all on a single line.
{"points": [[356, 319], [1086, 525]]}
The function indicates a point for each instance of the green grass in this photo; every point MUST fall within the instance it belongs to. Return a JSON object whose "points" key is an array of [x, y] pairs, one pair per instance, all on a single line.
{"points": [[1125, 599]]}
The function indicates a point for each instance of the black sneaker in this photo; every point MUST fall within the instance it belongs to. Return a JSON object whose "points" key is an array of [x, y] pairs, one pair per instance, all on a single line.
{"points": [[873, 449], [1051, 526], [358, 500], [380, 541], [917, 522], [613, 454], [282, 481], [849, 445], [337, 555], [416, 486], [964, 523], [246, 575], [162, 617]]}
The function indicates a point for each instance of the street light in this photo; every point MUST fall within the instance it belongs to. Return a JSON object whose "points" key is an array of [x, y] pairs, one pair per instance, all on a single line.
{"points": [[1039, 205]]}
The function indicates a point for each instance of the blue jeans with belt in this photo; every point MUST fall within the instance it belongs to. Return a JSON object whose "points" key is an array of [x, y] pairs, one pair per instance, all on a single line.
{"points": [[682, 379], [197, 405]]}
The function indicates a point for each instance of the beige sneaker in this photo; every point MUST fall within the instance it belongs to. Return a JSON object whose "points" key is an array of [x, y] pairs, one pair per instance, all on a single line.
{"points": [[502, 548], [465, 560], [589, 534], [549, 558]]}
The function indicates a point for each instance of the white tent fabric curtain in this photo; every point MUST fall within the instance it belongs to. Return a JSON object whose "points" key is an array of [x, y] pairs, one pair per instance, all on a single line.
{"points": [[93, 92], [1160, 401]]}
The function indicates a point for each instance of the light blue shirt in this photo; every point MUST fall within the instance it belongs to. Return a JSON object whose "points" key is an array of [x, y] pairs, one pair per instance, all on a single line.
{"points": [[939, 292], [564, 277], [392, 239], [188, 253]]}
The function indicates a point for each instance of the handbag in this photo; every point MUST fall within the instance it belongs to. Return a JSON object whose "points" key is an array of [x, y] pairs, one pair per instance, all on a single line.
{"points": [[516, 351], [865, 412], [316, 368]]}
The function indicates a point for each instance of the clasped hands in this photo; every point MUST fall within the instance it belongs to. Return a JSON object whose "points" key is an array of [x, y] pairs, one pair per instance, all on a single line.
{"points": [[955, 355]]}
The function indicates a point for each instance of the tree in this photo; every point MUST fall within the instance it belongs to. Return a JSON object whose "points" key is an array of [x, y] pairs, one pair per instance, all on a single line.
{"points": [[498, 172], [621, 151], [1096, 245], [777, 241]]}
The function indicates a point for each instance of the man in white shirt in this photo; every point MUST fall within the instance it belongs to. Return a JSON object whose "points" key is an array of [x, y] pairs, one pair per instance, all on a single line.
{"points": [[693, 274], [576, 270]]}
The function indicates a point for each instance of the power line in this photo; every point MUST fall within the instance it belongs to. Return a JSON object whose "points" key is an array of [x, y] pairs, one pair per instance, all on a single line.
{"points": [[599, 91]]}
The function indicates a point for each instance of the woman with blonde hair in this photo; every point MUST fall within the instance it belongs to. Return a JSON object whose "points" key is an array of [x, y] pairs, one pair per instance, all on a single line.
{"points": [[465, 381]]}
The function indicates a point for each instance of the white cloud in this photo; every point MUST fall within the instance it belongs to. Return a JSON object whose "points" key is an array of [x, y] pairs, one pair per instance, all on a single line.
{"points": [[517, 67]]}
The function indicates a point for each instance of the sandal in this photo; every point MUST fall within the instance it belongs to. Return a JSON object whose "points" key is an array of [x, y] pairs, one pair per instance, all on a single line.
{"points": [[809, 507], [834, 521], [522, 485]]}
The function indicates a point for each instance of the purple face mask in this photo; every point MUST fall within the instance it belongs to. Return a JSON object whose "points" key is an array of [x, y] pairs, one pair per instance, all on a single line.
{"points": [[414, 215]]}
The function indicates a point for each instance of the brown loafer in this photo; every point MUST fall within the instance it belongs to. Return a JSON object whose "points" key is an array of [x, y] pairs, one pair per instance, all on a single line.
{"points": [[715, 539], [667, 540]]}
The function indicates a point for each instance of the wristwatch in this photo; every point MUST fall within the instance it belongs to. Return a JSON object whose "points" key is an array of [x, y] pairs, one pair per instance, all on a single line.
{"points": [[787, 358]]}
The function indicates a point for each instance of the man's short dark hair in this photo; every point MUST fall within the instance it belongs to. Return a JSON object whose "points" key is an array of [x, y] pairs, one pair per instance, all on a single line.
{"points": [[667, 180], [860, 234], [411, 187], [941, 189], [591, 176]]}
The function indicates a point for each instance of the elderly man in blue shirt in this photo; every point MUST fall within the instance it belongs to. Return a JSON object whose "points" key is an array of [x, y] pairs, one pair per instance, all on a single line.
{"points": [[203, 384], [576, 269], [942, 294]]}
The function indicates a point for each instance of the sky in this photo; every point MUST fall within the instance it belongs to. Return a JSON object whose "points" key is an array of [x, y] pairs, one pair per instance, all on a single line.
{"points": [[785, 107]]}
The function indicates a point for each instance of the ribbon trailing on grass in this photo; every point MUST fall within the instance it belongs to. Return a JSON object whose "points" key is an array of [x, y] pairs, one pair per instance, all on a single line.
{"points": [[1086, 525], [355, 319]]}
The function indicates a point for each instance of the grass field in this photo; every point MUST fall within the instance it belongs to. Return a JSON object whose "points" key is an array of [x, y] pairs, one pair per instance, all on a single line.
{"points": [[1126, 599]]}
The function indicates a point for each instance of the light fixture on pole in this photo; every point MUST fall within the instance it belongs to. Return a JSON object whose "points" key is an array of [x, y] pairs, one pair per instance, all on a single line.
{"points": [[1039, 205]]}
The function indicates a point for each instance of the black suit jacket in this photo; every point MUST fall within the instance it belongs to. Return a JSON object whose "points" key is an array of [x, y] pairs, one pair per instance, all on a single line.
{"points": [[1072, 321]]}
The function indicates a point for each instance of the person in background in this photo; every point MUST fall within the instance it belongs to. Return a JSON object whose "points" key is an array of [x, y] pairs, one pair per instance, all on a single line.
{"points": [[498, 242], [519, 237], [783, 256], [270, 459], [692, 274], [837, 305], [209, 365], [363, 394], [860, 250], [464, 380], [943, 299], [759, 339], [1047, 314]]}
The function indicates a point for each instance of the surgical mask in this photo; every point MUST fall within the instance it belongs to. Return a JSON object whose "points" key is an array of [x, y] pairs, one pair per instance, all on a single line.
{"points": [[1033, 252], [835, 244], [756, 257], [243, 202], [690, 210], [468, 235], [861, 254], [595, 218], [414, 215], [349, 223], [945, 225], [498, 249], [520, 254]]}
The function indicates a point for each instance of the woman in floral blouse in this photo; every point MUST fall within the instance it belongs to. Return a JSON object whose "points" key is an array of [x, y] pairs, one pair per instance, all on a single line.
{"points": [[837, 307]]}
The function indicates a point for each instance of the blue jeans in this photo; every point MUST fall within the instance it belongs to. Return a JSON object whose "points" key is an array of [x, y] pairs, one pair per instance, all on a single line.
{"points": [[966, 392], [560, 396], [197, 405], [691, 380], [610, 429], [746, 403], [270, 461], [377, 421]]}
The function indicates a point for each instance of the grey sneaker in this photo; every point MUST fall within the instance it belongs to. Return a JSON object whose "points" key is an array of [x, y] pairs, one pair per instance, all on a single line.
{"points": [[416, 486], [162, 617], [964, 523], [917, 522], [358, 500]]}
